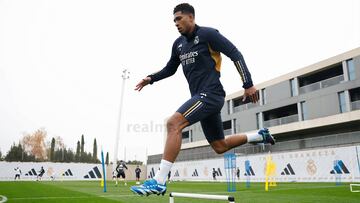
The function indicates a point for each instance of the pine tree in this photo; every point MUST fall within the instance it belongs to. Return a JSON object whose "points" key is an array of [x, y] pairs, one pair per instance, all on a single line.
{"points": [[17, 153], [82, 152], [58, 155], [52, 150], [107, 158], [77, 155], [70, 156], [95, 152]]}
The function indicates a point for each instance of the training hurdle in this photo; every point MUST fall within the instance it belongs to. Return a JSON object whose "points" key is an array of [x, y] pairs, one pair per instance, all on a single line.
{"points": [[172, 195], [351, 187]]}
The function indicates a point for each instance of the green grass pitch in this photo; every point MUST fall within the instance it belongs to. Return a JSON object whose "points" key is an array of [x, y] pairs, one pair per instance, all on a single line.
{"points": [[90, 191]]}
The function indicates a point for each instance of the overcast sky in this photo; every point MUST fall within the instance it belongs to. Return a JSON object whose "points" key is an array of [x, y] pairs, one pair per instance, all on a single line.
{"points": [[61, 61]]}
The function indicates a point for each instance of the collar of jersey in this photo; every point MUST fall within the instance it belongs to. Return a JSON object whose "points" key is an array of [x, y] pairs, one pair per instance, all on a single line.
{"points": [[192, 35]]}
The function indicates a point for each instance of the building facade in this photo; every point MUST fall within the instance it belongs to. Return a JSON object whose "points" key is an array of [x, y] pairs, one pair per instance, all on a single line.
{"points": [[317, 106]]}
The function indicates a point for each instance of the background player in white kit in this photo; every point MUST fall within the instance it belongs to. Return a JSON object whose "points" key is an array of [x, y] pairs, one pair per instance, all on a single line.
{"points": [[17, 173], [120, 169]]}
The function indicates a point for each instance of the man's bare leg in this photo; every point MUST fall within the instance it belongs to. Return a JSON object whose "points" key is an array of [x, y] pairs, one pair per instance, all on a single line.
{"points": [[221, 146], [175, 125]]}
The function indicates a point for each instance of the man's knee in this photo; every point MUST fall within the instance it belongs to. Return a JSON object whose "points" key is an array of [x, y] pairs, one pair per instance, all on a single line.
{"points": [[176, 123], [171, 124], [220, 150], [219, 146]]}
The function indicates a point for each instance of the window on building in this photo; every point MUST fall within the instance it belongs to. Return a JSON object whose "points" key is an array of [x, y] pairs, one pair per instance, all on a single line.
{"points": [[263, 96], [355, 98], [351, 69], [191, 136], [293, 87], [185, 135], [304, 112], [234, 124], [258, 120], [342, 103], [227, 125], [228, 107]]}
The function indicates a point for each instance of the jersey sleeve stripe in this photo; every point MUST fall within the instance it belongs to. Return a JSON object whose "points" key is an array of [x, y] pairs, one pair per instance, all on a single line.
{"points": [[241, 71]]}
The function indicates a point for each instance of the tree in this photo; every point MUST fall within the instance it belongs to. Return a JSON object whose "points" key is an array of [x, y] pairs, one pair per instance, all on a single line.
{"points": [[68, 155], [107, 158], [34, 144], [17, 153], [0, 156], [77, 155], [135, 162], [95, 151], [58, 155], [52, 150], [82, 149]]}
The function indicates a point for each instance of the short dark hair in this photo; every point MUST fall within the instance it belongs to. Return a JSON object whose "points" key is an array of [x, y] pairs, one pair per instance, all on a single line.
{"points": [[184, 8]]}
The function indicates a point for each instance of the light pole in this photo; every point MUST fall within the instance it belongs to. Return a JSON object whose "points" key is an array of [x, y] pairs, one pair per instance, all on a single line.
{"points": [[125, 76]]}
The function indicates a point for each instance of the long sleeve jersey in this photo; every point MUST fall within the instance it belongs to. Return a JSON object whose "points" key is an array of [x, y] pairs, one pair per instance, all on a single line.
{"points": [[199, 55], [121, 167]]}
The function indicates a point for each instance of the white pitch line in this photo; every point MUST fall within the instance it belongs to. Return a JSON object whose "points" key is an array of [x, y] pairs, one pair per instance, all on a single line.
{"points": [[3, 199], [312, 187], [134, 195], [273, 189], [79, 197]]}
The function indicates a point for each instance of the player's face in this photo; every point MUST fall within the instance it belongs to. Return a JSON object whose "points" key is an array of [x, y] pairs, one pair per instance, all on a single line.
{"points": [[184, 22]]}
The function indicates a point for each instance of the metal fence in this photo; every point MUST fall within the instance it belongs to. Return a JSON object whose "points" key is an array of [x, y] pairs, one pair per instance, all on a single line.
{"points": [[245, 107], [228, 132], [206, 152], [355, 105]]}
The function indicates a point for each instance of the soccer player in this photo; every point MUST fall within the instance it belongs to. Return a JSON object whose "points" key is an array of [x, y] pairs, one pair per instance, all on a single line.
{"points": [[17, 173], [120, 169], [114, 174], [169, 176], [214, 173], [41, 173], [238, 173], [137, 174], [198, 51]]}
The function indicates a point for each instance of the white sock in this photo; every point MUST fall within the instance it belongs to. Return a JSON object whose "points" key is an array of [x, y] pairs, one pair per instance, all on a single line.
{"points": [[254, 137], [163, 172]]}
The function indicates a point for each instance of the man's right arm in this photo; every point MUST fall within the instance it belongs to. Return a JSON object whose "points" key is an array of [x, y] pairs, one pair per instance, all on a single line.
{"points": [[167, 71], [170, 67]]}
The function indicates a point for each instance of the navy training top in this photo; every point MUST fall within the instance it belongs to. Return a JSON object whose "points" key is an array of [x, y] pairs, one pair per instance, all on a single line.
{"points": [[200, 57]]}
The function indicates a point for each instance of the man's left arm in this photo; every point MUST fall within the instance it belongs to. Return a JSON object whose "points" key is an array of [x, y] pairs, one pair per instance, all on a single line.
{"points": [[221, 44]]}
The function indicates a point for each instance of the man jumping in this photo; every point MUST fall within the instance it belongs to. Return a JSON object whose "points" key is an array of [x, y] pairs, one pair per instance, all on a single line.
{"points": [[198, 51]]}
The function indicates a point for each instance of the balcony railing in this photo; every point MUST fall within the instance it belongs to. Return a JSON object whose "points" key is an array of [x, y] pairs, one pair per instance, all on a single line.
{"points": [[228, 132], [185, 140], [245, 107], [321, 84], [281, 121], [355, 105]]}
